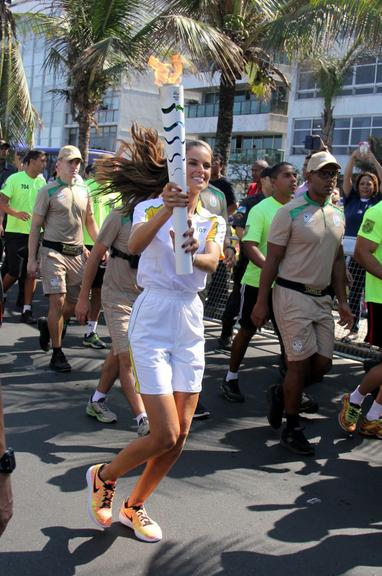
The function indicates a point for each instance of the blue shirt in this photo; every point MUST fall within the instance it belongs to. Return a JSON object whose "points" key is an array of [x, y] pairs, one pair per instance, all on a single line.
{"points": [[355, 208]]}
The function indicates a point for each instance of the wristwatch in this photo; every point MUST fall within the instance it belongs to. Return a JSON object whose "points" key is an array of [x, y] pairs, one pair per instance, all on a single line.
{"points": [[7, 462]]}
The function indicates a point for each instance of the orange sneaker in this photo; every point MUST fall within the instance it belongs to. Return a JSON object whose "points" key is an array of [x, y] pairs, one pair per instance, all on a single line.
{"points": [[348, 417], [136, 518], [372, 428], [100, 497]]}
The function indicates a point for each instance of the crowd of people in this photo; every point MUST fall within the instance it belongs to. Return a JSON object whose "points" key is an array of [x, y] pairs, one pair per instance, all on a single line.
{"points": [[108, 242]]}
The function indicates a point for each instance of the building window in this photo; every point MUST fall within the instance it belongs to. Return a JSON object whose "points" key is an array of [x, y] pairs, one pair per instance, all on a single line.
{"points": [[102, 139], [365, 77], [244, 103], [108, 112], [347, 133]]}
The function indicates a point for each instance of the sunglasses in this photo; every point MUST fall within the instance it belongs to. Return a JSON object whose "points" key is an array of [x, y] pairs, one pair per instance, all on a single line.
{"points": [[326, 174]]}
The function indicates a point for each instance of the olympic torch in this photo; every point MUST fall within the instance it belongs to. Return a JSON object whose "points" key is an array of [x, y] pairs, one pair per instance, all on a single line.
{"points": [[167, 77]]}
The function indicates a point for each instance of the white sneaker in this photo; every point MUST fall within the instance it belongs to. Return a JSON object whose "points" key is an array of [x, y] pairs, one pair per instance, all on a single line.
{"points": [[100, 411], [143, 426]]}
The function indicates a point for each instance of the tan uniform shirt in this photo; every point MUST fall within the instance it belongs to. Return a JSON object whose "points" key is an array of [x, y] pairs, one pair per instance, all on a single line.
{"points": [[120, 280], [312, 235], [64, 209]]}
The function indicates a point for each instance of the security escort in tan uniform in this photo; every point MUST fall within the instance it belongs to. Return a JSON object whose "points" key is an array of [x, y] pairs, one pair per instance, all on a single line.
{"points": [[62, 208], [305, 258]]}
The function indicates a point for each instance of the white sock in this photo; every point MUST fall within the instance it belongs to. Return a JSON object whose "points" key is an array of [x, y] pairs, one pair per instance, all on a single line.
{"points": [[97, 396], [140, 416], [91, 327], [356, 397], [375, 411], [27, 307], [231, 376]]}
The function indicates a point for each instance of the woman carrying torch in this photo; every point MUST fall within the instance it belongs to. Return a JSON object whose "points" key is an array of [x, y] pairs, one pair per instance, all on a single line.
{"points": [[166, 339]]}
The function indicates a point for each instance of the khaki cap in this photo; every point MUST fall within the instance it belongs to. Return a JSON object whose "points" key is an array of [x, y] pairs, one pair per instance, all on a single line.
{"points": [[69, 152], [4, 144], [319, 160]]}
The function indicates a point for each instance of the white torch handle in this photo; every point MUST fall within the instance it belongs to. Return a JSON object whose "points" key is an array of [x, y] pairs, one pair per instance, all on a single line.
{"points": [[172, 106]]}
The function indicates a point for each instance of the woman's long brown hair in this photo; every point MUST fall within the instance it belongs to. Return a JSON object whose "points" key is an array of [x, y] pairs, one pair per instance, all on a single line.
{"points": [[137, 175]]}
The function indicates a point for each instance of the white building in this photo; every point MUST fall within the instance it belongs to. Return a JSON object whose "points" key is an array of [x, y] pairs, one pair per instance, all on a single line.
{"points": [[357, 110], [259, 128], [134, 100], [272, 130]]}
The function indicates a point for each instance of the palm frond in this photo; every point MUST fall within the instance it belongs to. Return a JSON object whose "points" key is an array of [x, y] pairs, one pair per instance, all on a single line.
{"points": [[18, 118]]}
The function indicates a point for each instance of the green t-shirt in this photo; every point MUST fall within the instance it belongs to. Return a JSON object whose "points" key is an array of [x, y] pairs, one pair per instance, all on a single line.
{"points": [[102, 206], [371, 229], [21, 190], [257, 229]]}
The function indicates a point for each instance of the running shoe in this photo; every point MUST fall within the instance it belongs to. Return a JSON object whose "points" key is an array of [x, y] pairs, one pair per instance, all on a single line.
{"points": [[201, 412], [275, 397], [27, 317], [100, 410], [59, 363], [231, 390], [136, 518], [101, 496], [308, 405], [143, 426], [372, 428], [44, 338], [93, 341], [348, 417], [293, 439]]}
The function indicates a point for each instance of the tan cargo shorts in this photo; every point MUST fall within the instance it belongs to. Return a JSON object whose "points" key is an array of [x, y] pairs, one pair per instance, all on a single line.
{"points": [[117, 316], [61, 274], [305, 322]]}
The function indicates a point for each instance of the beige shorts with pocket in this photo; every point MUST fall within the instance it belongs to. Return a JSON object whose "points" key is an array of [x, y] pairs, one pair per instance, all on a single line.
{"points": [[61, 274], [117, 316], [305, 322]]}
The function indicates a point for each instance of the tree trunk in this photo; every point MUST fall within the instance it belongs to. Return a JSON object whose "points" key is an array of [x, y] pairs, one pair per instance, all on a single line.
{"points": [[327, 125], [225, 119], [84, 136]]}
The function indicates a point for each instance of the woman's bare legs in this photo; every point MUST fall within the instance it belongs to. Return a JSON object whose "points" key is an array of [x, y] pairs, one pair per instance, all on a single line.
{"points": [[170, 417], [128, 384], [158, 466]]}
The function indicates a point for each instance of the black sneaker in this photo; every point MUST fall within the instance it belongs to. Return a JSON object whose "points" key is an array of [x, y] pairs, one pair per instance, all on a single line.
{"points": [[224, 343], [28, 317], [59, 362], [231, 390], [294, 440], [201, 413], [308, 405], [44, 338], [275, 397]]}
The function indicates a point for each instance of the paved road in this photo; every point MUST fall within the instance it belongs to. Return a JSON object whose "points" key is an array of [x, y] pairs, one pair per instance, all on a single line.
{"points": [[235, 503]]}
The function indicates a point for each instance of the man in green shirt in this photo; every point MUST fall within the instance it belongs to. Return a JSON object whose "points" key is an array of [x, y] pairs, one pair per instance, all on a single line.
{"points": [[17, 199], [368, 253], [101, 208], [284, 183]]}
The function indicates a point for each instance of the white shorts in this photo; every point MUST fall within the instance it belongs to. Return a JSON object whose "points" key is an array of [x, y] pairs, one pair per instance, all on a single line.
{"points": [[166, 336]]}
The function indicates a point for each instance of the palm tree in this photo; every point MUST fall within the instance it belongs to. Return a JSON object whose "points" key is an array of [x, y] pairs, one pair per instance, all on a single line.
{"points": [[244, 23], [17, 115], [93, 42], [329, 71]]}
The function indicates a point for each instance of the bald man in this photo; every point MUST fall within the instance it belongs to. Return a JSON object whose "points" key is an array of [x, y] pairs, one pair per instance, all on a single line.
{"points": [[255, 186]]}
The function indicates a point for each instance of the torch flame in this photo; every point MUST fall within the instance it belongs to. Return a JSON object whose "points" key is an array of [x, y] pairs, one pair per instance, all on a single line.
{"points": [[167, 73]]}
